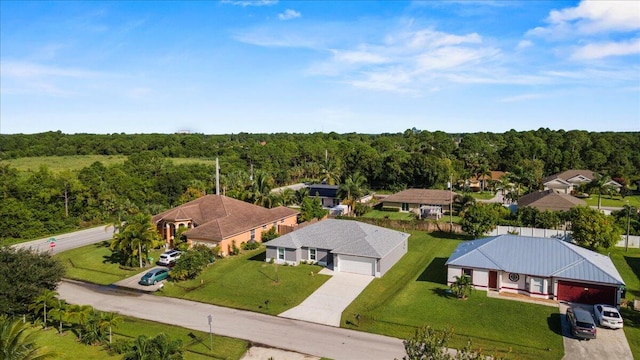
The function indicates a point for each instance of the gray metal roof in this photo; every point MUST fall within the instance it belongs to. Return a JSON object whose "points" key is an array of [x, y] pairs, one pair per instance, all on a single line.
{"points": [[343, 237], [544, 257]]}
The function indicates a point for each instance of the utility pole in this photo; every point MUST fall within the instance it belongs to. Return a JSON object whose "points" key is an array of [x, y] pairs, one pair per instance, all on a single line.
{"points": [[210, 333], [451, 203], [626, 243], [217, 177]]}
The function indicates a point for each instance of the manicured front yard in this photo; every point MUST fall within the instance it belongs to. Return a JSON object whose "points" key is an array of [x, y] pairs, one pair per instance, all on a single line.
{"points": [[628, 265], [244, 281], [412, 294], [616, 201], [95, 264], [393, 215], [247, 282]]}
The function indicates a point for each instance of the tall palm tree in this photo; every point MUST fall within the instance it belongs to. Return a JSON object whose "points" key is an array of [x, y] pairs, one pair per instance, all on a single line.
{"points": [[136, 237], [330, 171], [599, 186], [47, 299], [260, 192], [302, 194], [59, 311], [80, 313], [17, 341], [141, 349], [166, 348], [483, 173], [352, 189], [109, 320]]}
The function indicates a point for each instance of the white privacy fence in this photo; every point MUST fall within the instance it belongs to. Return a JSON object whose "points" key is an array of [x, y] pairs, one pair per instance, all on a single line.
{"points": [[634, 240]]}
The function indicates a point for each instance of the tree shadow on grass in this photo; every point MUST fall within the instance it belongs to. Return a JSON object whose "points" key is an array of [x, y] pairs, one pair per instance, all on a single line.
{"points": [[435, 272], [444, 293], [261, 256], [450, 235], [116, 257], [554, 321], [634, 264]]}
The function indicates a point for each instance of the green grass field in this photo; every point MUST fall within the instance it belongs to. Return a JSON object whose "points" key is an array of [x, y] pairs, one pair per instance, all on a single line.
{"points": [[195, 343], [94, 264], [378, 214], [628, 265], [617, 201], [77, 162], [412, 294]]}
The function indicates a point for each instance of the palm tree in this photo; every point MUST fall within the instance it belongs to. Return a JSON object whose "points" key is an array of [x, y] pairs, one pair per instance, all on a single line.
{"points": [[81, 313], [260, 192], [302, 194], [17, 342], [109, 320], [287, 196], [166, 348], [462, 286], [482, 173], [352, 189], [140, 349], [330, 171], [59, 311], [599, 186], [136, 237], [48, 298]]}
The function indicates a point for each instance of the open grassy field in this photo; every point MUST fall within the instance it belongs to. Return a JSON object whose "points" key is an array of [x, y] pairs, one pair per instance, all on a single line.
{"points": [[378, 214], [77, 162], [95, 264], [412, 294], [195, 343], [616, 201]]}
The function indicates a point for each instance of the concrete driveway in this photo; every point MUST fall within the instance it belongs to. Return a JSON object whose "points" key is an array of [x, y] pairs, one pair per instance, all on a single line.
{"points": [[132, 282], [325, 305], [608, 344]]}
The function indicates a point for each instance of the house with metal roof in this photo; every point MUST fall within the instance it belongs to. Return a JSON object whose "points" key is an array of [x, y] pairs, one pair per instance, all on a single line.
{"points": [[341, 245], [546, 268], [218, 220]]}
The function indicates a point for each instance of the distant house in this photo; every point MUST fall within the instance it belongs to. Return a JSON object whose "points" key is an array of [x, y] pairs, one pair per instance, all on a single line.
{"points": [[342, 245], [484, 181], [220, 220], [568, 181], [539, 267], [424, 202], [550, 200], [328, 194]]}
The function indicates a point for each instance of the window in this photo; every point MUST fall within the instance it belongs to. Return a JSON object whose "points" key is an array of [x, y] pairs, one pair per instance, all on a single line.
{"points": [[468, 272], [253, 234], [313, 255], [536, 285], [280, 253], [405, 207]]}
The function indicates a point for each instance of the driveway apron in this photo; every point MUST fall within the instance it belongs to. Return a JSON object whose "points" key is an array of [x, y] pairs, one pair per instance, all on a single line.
{"points": [[326, 304], [608, 344]]}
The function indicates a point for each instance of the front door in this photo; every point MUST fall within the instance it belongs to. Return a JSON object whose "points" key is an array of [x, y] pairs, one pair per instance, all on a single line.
{"points": [[493, 280]]}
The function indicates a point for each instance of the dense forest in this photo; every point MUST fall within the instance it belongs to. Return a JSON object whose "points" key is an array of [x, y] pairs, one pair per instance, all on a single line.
{"points": [[37, 203]]}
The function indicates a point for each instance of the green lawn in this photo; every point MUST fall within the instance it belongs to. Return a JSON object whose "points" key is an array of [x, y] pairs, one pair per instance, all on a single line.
{"points": [[393, 215], [248, 282], [196, 343], [413, 294], [628, 265], [245, 281], [94, 264], [617, 201]]}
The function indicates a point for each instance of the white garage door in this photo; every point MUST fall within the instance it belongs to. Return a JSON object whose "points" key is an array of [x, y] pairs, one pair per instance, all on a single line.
{"points": [[356, 264]]}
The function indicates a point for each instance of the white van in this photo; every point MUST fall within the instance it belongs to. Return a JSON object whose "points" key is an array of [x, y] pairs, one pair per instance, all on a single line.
{"points": [[169, 257]]}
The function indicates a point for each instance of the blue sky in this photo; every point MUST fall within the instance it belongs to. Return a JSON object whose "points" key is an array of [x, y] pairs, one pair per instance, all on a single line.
{"points": [[268, 66]]}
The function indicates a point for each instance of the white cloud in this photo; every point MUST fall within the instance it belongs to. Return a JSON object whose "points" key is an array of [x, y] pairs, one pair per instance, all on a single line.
{"points": [[523, 44], [591, 17], [251, 2], [522, 97], [359, 57], [606, 49], [289, 14]]}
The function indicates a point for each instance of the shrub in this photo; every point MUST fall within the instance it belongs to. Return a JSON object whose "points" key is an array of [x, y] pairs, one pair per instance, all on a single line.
{"points": [[390, 209], [250, 245], [269, 234]]}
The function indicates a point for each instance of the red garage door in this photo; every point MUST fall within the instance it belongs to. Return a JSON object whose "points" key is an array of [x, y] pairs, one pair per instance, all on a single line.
{"points": [[586, 293]]}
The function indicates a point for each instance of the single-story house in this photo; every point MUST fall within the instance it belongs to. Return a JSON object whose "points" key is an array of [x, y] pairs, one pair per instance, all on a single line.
{"points": [[342, 245], [424, 202], [550, 200], [568, 181], [221, 220], [328, 194], [546, 268]]}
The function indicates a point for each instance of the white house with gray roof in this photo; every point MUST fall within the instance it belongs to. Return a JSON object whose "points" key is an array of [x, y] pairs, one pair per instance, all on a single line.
{"points": [[539, 267], [342, 245]]}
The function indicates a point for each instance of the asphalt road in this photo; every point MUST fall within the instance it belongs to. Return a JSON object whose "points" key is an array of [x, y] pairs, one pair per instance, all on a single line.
{"points": [[70, 241], [294, 335]]}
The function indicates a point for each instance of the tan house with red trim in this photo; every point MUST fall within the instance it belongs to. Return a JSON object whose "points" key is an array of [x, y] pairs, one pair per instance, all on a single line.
{"points": [[220, 220]]}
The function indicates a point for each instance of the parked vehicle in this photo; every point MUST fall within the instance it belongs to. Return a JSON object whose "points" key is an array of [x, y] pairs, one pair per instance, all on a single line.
{"points": [[154, 275], [581, 323], [169, 257], [608, 316]]}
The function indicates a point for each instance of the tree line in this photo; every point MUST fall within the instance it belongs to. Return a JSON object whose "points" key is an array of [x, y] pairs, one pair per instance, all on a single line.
{"points": [[41, 202]]}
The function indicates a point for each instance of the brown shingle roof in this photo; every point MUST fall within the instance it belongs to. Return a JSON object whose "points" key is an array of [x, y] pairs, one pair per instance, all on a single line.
{"points": [[422, 196], [550, 200], [217, 217], [566, 175]]}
